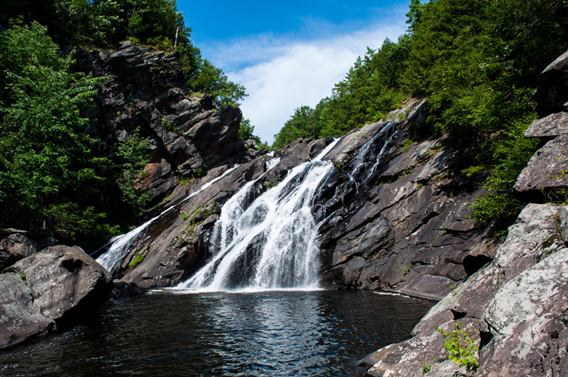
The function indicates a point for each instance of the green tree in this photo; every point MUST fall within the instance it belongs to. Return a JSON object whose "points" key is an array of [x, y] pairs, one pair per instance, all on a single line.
{"points": [[303, 124], [155, 22], [45, 156], [246, 132], [209, 79], [415, 14]]}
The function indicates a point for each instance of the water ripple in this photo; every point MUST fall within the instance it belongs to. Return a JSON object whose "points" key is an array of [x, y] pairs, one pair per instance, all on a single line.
{"points": [[278, 333]]}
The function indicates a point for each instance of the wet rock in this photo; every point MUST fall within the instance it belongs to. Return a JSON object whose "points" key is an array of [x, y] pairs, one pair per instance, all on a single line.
{"points": [[19, 319], [64, 282], [393, 205], [364, 241], [304, 149], [317, 146], [179, 243], [412, 155]]}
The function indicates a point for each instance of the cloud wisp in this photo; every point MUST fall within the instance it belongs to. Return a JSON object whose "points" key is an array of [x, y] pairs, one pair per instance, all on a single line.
{"points": [[282, 74]]}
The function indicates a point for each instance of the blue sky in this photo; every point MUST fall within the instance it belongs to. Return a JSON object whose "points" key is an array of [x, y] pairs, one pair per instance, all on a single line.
{"points": [[288, 53]]}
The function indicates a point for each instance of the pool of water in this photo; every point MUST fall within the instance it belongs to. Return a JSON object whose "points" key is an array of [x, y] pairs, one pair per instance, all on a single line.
{"points": [[318, 333]]}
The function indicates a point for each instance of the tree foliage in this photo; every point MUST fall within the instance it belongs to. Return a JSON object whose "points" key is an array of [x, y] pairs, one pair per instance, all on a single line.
{"points": [[46, 164], [103, 23], [209, 79]]}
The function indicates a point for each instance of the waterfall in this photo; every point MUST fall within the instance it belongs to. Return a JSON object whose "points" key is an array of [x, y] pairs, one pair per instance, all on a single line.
{"points": [[386, 128], [268, 242], [360, 163], [112, 259]]}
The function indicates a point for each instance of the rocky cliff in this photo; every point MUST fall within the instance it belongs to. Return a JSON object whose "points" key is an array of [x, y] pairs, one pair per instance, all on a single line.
{"points": [[396, 216], [515, 307], [146, 93]]}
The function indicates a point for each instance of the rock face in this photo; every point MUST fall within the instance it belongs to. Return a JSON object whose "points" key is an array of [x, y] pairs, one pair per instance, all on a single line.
{"points": [[404, 223], [57, 285], [19, 320], [515, 307], [396, 217], [146, 93], [548, 168], [178, 243], [518, 301], [179, 240]]}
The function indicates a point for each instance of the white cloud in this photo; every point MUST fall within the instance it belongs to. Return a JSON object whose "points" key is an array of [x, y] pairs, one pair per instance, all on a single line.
{"points": [[281, 74]]}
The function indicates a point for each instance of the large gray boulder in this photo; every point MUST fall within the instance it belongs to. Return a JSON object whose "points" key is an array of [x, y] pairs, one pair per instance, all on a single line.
{"points": [[56, 286], [550, 126], [19, 319], [527, 322], [64, 282], [547, 168]]}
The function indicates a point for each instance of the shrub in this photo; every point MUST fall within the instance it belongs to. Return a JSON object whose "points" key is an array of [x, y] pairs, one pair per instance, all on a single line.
{"points": [[461, 348]]}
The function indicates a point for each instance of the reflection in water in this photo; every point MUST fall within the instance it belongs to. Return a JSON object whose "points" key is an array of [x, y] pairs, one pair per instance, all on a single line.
{"points": [[320, 333], [282, 334]]}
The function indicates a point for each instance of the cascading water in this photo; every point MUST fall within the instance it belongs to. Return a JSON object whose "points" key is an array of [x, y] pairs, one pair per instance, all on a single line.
{"points": [[360, 162], [386, 128], [268, 242], [112, 259]]}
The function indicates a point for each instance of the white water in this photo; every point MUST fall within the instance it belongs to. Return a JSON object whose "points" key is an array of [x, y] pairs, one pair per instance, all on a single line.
{"points": [[360, 160], [112, 259], [267, 243], [383, 131]]}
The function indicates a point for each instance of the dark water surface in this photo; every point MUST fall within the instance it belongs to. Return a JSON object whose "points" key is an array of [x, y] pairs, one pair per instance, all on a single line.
{"points": [[321, 333]]}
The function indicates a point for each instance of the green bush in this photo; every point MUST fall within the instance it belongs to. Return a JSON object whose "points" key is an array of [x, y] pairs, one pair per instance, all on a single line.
{"points": [[461, 348]]}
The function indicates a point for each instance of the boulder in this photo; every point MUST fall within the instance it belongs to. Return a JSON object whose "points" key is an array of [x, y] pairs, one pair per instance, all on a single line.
{"points": [[547, 168], [19, 318], [550, 126], [409, 358], [65, 284], [552, 96], [14, 247], [527, 322]]}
